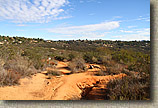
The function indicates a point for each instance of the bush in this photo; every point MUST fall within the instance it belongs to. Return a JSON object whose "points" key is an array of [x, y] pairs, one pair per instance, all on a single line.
{"points": [[36, 62], [110, 70], [123, 56], [108, 63], [12, 70], [106, 60], [9, 52], [11, 78], [129, 88], [35, 57], [54, 72], [71, 56], [60, 58], [88, 57], [3, 74], [101, 73], [8, 77], [20, 65], [93, 57], [77, 65], [140, 66], [130, 73]]}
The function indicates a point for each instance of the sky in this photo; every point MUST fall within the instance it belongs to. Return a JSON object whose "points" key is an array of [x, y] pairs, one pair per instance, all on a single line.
{"points": [[76, 19]]}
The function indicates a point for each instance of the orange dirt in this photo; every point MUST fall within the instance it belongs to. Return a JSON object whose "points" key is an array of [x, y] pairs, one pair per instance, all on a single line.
{"points": [[65, 87]]}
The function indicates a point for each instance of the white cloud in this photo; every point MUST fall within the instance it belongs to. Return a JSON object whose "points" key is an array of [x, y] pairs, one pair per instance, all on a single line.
{"points": [[21, 25], [105, 26], [116, 18], [92, 31], [125, 31], [87, 35], [131, 26], [143, 18], [145, 32], [140, 18], [137, 34], [131, 37], [39, 11], [63, 17]]}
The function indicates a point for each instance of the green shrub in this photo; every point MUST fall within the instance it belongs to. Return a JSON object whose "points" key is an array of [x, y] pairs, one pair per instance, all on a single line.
{"points": [[129, 88], [60, 58], [141, 65], [35, 57], [9, 52], [123, 56], [71, 56], [92, 57], [88, 57]]}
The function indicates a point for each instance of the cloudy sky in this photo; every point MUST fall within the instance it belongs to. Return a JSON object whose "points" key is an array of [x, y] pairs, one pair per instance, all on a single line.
{"points": [[76, 19]]}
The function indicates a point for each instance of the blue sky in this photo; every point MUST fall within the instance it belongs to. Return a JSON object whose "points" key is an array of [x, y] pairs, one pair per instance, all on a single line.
{"points": [[76, 19]]}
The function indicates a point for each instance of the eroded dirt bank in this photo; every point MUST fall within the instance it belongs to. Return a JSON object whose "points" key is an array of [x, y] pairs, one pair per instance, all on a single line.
{"points": [[67, 87]]}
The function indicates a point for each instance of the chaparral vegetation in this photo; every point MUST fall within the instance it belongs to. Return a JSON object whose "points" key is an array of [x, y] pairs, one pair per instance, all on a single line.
{"points": [[23, 57]]}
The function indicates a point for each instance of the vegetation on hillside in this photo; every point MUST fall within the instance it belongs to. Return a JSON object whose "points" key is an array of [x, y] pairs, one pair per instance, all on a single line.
{"points": [[21, 57]]}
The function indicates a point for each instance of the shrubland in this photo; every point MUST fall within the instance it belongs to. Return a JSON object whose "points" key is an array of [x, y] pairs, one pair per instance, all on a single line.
{"points": [[23, 59], [129, 88]]}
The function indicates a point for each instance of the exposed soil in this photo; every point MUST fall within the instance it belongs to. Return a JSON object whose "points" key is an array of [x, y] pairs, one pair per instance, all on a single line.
{"points": [[66, 87]]}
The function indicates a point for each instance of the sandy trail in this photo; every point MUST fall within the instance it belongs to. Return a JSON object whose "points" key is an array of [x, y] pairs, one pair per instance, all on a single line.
{"points": [[58, 88], [69, 90], [28, 89]]}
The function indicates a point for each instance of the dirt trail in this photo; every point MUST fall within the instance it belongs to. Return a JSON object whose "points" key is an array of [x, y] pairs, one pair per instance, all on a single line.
{"points": [[28, 89], [66, 87], [72, 85]]}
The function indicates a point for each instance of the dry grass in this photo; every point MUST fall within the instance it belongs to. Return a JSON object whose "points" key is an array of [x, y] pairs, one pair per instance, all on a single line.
{"points": [[129, 88], [110, 70], [8, 77], [20, 65], [77, 65], [54, 72], [12, 70]]}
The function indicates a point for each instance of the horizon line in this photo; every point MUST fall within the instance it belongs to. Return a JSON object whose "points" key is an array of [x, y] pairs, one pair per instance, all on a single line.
{"points": [[74, 39]]}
